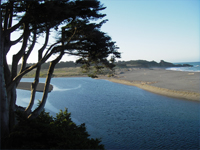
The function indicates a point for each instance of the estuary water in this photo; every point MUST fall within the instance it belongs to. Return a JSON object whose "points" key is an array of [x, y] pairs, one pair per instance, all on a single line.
{"points": [[124, 117]]}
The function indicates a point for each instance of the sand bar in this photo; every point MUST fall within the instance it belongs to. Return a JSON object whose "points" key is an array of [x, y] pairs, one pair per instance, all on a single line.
{"points": [[178, 84], [27, 86]]}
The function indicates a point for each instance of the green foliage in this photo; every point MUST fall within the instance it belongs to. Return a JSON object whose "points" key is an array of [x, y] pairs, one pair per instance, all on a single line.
{"points": [[92, 76], [110, 75], [47, 132], [146, 64], [91, 45]]}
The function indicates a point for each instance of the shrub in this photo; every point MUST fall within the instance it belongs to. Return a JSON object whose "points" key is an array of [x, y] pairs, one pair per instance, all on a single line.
{"points": [[47, 132]]}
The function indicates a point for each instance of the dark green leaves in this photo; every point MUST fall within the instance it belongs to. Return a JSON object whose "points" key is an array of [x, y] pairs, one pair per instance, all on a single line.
{"points": [[47, 132]]}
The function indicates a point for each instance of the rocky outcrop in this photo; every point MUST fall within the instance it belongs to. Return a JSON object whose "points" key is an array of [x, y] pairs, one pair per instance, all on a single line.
{"points": [[167, 64]]}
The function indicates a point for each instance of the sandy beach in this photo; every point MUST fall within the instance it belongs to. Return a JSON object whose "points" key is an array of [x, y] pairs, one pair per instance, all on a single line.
{"points": [[178, 84], [27, 86]]}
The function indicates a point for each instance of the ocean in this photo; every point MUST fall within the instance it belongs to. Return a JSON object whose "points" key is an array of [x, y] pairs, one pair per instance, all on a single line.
{"points": [[195, 68], [124, 117]]}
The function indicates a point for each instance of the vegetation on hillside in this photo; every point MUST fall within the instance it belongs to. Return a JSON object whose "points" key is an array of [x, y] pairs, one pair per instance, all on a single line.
{"points": [[70, 68], [147, 64]]}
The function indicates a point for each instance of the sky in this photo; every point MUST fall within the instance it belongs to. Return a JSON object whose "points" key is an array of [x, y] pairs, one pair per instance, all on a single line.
{"points": [[155, 29], [151, 29]]}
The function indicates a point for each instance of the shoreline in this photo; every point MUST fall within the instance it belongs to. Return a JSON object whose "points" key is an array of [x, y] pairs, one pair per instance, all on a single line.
{"points": [[186, 95], [176, 84]]}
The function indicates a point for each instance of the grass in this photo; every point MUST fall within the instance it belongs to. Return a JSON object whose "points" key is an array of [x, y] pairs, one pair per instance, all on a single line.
{"points": [[67, 72], [58, 72]]}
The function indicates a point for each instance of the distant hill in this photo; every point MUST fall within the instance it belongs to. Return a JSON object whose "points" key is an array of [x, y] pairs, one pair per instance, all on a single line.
{"points": [[120, 64], [148, 64]]}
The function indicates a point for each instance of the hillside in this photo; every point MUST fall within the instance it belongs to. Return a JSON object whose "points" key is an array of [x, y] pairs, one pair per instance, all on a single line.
{"points": [[70, 68], [148, 64]]}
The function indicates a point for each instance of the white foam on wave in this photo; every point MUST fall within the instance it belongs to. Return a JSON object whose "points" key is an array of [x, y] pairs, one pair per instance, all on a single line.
{"points": [[187, 69], [55, 88]]}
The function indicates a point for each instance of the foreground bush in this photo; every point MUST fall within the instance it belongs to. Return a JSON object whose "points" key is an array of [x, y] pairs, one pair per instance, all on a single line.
{"points": [[47, 132]]}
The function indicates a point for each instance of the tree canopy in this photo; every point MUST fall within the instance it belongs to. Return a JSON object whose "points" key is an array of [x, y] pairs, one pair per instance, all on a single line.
{"points": [[79, 34]]}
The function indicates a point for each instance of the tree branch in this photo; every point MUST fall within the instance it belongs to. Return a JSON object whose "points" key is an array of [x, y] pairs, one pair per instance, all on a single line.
{"points": [[37, 75], [45, 44], [12, 92], [26, 55], [6, 19], [26, 70], [50, 48], [17, 40], [76, 54], [10, 14], [39, 109], [16, 26], [18, 56]]}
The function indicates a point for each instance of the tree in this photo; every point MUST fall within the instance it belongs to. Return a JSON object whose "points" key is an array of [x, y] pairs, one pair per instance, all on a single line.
{"points": [[3, 94], [78, 36]]}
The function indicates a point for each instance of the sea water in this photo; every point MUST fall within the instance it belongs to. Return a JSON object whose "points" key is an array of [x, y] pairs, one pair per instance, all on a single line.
{"points": [[195, 68], [124, 117]]}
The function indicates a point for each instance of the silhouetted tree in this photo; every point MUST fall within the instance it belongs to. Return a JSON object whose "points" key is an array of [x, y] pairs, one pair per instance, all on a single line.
{"points": [[71, 18]]}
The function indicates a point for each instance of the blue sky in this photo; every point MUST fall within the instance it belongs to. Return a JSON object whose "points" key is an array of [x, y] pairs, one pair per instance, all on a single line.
{"points": [[154, 29], [151, 29]]}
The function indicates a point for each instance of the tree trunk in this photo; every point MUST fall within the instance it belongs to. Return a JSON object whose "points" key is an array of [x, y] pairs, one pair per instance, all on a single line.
{"points": [[37, 75], [3, 99], [4, 113], [12, 108], [38, 110]]}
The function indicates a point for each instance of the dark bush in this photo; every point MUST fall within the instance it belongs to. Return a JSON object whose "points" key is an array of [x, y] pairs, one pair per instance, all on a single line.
{"points": [[47, 132]]}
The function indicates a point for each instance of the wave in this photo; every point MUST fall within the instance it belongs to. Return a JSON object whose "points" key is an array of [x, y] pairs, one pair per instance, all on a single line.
{"points": [[55, 88], [192, 69], [195, 68]]}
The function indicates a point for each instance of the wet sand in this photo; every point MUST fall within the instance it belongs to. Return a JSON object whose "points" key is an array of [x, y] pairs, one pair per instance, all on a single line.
{"points": [[27, 86], [178, 84]]}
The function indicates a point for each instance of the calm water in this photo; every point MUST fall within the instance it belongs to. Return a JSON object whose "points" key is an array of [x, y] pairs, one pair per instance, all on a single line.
{"points": [[125, 117]]}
